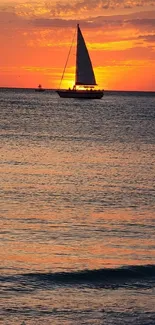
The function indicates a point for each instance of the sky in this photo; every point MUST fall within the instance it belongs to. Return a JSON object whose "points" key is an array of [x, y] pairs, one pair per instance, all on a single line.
{"points": [[35, 38]]}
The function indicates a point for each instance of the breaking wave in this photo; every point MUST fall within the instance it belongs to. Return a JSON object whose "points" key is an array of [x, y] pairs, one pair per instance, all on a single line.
{"points": [[98, 276], [143, 276]]}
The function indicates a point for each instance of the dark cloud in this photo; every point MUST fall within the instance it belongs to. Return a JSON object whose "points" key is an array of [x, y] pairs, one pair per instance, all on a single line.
{"points": [[101, 22], [142, 24], [55, 23], [147, 38]]}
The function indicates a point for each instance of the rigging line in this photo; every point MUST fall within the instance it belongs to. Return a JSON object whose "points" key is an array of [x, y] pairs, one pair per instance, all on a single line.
{"points": [[67, 59]]}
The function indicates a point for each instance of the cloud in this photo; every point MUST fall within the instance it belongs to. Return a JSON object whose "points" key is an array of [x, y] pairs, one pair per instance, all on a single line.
{"points": [[54, 23], [39, 15], [71, 9], [141, 21], [83, 6], [37, 29], [142, 24], [101, 22], [148, 38]]}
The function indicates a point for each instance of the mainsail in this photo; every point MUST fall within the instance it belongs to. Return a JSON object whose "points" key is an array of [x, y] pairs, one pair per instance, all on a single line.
{"points": [[84, 70]]}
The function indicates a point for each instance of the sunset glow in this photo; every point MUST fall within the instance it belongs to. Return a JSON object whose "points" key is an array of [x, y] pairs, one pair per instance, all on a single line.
{"points": [[36, 36]]}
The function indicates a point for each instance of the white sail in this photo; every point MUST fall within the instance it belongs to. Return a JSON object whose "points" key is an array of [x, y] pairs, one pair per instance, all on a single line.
{"points": [[84, 70]]}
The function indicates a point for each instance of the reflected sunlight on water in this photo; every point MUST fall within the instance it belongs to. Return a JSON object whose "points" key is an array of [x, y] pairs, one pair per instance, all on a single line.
{"points": [[77, 193]]}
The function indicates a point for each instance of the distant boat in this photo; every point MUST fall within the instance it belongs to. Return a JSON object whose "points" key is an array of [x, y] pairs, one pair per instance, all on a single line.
{"points": [[84, 77], [40, 89]]}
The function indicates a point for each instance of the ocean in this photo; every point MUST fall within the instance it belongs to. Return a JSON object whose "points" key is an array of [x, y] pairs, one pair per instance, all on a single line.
{"points": [[77, 209]]}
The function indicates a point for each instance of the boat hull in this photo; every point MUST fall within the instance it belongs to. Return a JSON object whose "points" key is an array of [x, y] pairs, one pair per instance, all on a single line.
{"points": [[39, 90], [81, 94]]}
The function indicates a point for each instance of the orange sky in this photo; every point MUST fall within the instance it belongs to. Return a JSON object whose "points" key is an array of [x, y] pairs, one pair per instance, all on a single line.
{"points": [[36, 35]]}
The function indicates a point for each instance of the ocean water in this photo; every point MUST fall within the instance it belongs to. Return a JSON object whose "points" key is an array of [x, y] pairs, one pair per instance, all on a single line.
{"points": [[77, 209]]}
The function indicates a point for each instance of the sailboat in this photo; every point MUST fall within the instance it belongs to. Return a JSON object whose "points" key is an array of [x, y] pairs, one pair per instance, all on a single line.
{"points": [[40, 89], [84, 76]]}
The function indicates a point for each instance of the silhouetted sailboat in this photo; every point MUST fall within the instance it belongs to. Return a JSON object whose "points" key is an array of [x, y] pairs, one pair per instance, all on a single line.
{"points": [[40, 89], [84, 74]]}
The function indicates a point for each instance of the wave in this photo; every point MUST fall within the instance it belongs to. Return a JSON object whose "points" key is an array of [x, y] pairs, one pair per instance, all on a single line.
{"points": [[102, 276], [141, 276]]}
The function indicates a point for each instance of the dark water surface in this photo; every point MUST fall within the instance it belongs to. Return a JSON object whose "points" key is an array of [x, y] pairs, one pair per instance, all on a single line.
{"points": [[77, 209]]}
